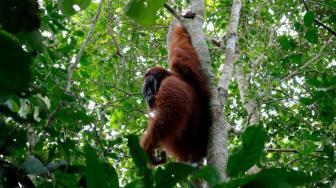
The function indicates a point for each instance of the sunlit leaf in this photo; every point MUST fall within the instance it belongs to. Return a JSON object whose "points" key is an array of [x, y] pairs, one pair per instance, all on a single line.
{"points": [[274, 177], [68, 6], [144, 12], [249, 153], [140, 159]]}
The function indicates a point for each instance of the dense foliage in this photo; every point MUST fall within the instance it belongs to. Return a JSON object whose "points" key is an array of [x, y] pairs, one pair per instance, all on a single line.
{"points": [[71, 108]]}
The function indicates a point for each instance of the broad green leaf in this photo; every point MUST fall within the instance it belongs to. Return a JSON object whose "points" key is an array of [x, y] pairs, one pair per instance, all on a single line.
{"points": [[42, 107], [14, 66], [144, 12], [172, 174], [15, 143], [249, 153], [94, 170], [298, 26], [84, 61], [67, 6], [33, 39], [134, 184], [84, 74], [69, 114], [209, 174], [111, 176], [79, 33], [59, 25], [308, 148], [314, 82], [329, 150], [289, 177], [311, 35], [34, 166], [12, 105], [308, 18], [296, 58], [284, 42], [274, 177], [140, 159]]}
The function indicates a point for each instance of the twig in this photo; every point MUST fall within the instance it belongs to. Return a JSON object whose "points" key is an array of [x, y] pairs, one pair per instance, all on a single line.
{"points": [[308, 63], [99, 140], [321, 4], [214, 40], [324, 26], [281, 150], [110, 30], [318, 21], [289, 150], [172, 11], [73, 66]]}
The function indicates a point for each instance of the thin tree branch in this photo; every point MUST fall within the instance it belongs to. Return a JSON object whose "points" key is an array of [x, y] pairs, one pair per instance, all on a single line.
{"points": [[318, 21], [173, 12], [231, 41], [321, 4], [217, 42], [308, 63], [110, 30], [74, 65], [281, 150], [217, 151]]}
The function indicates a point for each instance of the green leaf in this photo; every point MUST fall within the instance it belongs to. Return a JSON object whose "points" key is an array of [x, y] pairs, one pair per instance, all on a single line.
{"points": [[282, 177], [79, 33], [12, 105], [329, 151], [96, 175], [84, 61], [67, 6], [84, 74], [284, 42], [111, 175], [308, 148], [249, 153], [308, 18], [274, 177], [296, 58], [144, 11], [314, 82], [311, 36], [140, 159], [209, 174], [134, 184], [34, 39], [298, 26], [42, 107], [14, 66], [172, 174], [34, 166]]}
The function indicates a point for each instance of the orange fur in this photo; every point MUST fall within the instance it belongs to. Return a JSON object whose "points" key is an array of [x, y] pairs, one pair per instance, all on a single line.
{"points": [[182, 116]]}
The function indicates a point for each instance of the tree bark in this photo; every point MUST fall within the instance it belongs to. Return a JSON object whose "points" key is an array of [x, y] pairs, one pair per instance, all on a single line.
{"points": [[217, 154], [217, 150]]}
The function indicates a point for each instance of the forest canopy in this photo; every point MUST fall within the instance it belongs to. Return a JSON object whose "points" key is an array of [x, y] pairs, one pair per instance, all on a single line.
{"points": [[72, 111]]}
